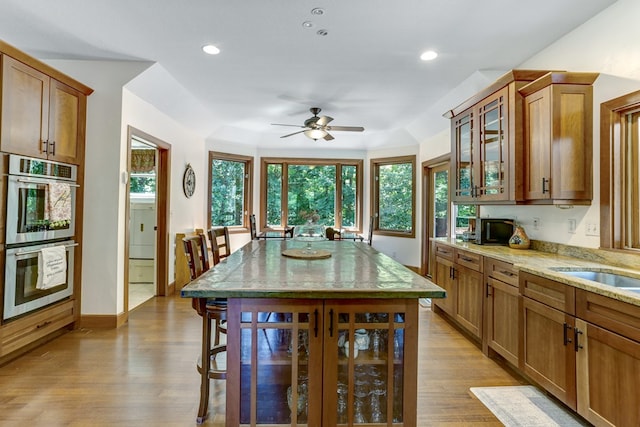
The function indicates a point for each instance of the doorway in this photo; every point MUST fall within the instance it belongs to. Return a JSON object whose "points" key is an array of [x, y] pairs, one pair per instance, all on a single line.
{"points": [[147, 203], [435, 174]]}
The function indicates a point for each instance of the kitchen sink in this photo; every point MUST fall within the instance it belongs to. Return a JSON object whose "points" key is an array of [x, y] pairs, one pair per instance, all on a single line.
{"points": [[611, 279]]}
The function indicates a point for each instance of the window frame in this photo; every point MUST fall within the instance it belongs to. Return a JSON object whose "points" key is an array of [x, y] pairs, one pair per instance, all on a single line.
{"points": [[286, 161], [375, 194], [614, 140], [248, 188]]}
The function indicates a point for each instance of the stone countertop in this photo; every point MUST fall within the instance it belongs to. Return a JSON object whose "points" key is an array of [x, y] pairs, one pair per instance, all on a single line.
{"points": [[542, 263], [354, 270]]}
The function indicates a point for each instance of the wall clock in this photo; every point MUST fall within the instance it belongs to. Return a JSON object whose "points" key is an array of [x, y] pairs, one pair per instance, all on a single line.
{"points": [[189, 181]]}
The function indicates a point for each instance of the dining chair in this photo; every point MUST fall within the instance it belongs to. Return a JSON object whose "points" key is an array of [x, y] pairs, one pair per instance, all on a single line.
{"points": [[220, 247], [252, 227], [214, 314]]}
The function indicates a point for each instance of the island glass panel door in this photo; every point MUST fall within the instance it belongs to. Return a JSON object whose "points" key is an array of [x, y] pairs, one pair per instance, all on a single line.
{"points": [[365, 357], [281, 363]]}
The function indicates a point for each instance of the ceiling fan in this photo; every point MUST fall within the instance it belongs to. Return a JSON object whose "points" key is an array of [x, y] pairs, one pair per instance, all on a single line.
{"points": [[317, 127]]}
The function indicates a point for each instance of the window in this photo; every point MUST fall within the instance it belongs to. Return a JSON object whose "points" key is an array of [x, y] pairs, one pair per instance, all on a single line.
{"points": [[229, 190], [327, 191], [393, 195], [619, 176]]}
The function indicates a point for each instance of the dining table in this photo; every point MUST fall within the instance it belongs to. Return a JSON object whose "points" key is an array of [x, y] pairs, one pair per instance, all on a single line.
{"points": [[311, 329]]}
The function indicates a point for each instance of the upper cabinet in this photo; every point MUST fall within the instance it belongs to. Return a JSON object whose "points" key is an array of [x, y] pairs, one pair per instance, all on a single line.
{"points": [[41, 116], [558, 123], [486, 143], [527, 138]]}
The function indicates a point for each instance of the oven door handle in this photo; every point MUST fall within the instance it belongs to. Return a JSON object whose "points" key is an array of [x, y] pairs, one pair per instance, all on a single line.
{"points": [[17, 254], [42, 181]]}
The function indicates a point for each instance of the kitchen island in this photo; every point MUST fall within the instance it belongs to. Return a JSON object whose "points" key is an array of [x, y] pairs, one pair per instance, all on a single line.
{"points": [[313, 342]]}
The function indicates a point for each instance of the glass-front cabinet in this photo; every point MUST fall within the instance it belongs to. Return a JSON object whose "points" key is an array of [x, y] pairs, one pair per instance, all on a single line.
{"points": [[493, 146], [322, 363], [480, 147], [487, 143]]}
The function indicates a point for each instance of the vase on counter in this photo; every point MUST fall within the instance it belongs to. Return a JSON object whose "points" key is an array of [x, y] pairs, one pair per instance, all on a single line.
{"points": [[519, 239]]}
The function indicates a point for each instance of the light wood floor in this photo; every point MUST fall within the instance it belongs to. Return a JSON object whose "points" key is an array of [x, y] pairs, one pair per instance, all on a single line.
{"points": [[143, 374]]}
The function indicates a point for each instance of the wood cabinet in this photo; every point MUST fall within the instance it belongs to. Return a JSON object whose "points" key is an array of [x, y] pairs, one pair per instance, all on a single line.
{"points": [[502, 310], [547, 339], [24, 331], [459, 272], [486, 142], [558, 118], [322, 362], [41, 116], [608, 360]]}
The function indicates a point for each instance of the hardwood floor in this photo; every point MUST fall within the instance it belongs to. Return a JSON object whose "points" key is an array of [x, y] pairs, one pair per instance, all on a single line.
{"points": [[143, 374]]}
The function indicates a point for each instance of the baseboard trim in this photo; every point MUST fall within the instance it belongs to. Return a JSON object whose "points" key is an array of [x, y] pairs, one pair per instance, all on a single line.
{"points": [[103, 321]]}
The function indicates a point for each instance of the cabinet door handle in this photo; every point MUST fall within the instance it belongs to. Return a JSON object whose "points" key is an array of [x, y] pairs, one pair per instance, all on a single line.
{"points": [[566, 328], [45, 323], [45, 147], [576, 333], [464, 258], [142, 227], [53, 148], [331, 322], [488, 288], [545, 181], [315, 322]]}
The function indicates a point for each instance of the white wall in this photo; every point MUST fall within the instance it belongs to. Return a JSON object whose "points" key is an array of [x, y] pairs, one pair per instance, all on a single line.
{"points": [[109, 110], [186, 147], [102, 251]]}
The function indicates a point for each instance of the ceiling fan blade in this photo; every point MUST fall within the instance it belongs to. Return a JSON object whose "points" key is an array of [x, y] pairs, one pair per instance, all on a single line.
{"points": [[328, 137], [324, 120], [281, 124], [295, 133], [346, 128]]}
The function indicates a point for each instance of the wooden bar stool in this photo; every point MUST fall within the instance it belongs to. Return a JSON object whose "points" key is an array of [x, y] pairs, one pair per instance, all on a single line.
{"points": [[213, 313]]}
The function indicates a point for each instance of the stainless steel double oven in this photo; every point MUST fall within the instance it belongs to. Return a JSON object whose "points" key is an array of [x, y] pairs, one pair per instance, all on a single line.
{"points": [[40, 214]]}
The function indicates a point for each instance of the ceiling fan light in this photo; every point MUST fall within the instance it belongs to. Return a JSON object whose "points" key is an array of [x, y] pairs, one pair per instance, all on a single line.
{"points": [[315, 133]]}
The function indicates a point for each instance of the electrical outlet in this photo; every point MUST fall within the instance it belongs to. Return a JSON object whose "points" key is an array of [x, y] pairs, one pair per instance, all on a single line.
{"points": [[536, 223], [572, 226], [592, 230]]}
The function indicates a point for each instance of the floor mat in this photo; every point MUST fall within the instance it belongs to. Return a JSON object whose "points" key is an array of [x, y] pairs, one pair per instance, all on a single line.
{"points": [[524, 406]]}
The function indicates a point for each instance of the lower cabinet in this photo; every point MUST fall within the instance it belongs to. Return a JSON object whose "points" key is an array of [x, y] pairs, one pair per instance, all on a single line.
{"points": [[608, 363], [322, 362], [459, 273], [501, 311], [20, 333], [548, 353]]}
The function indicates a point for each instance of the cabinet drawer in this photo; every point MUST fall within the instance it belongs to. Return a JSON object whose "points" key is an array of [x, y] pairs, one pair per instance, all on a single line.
{"points": [[616, 316], [500, 270], [21, 332], [549, 292], [469, 260], [444, 251]]}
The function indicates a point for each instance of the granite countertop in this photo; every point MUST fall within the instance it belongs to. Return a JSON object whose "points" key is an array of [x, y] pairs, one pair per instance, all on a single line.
{"points": [[354, 270], [544, 258]]}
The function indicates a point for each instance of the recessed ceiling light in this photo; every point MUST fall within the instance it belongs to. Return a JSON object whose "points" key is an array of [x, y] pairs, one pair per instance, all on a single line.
{"points": [[210, 49], [429, 55], [307, 24], [317, 11]]}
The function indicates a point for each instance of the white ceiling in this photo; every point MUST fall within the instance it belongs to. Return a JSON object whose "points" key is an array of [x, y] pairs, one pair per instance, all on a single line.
{"points": [[365, 72]]}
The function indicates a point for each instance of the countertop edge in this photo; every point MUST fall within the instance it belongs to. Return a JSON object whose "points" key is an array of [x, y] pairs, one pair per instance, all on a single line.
{"points": [[541, 264]]}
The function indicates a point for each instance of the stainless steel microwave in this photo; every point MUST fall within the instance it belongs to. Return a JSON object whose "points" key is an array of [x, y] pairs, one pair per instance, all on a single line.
{"points": [[494, 231]]}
